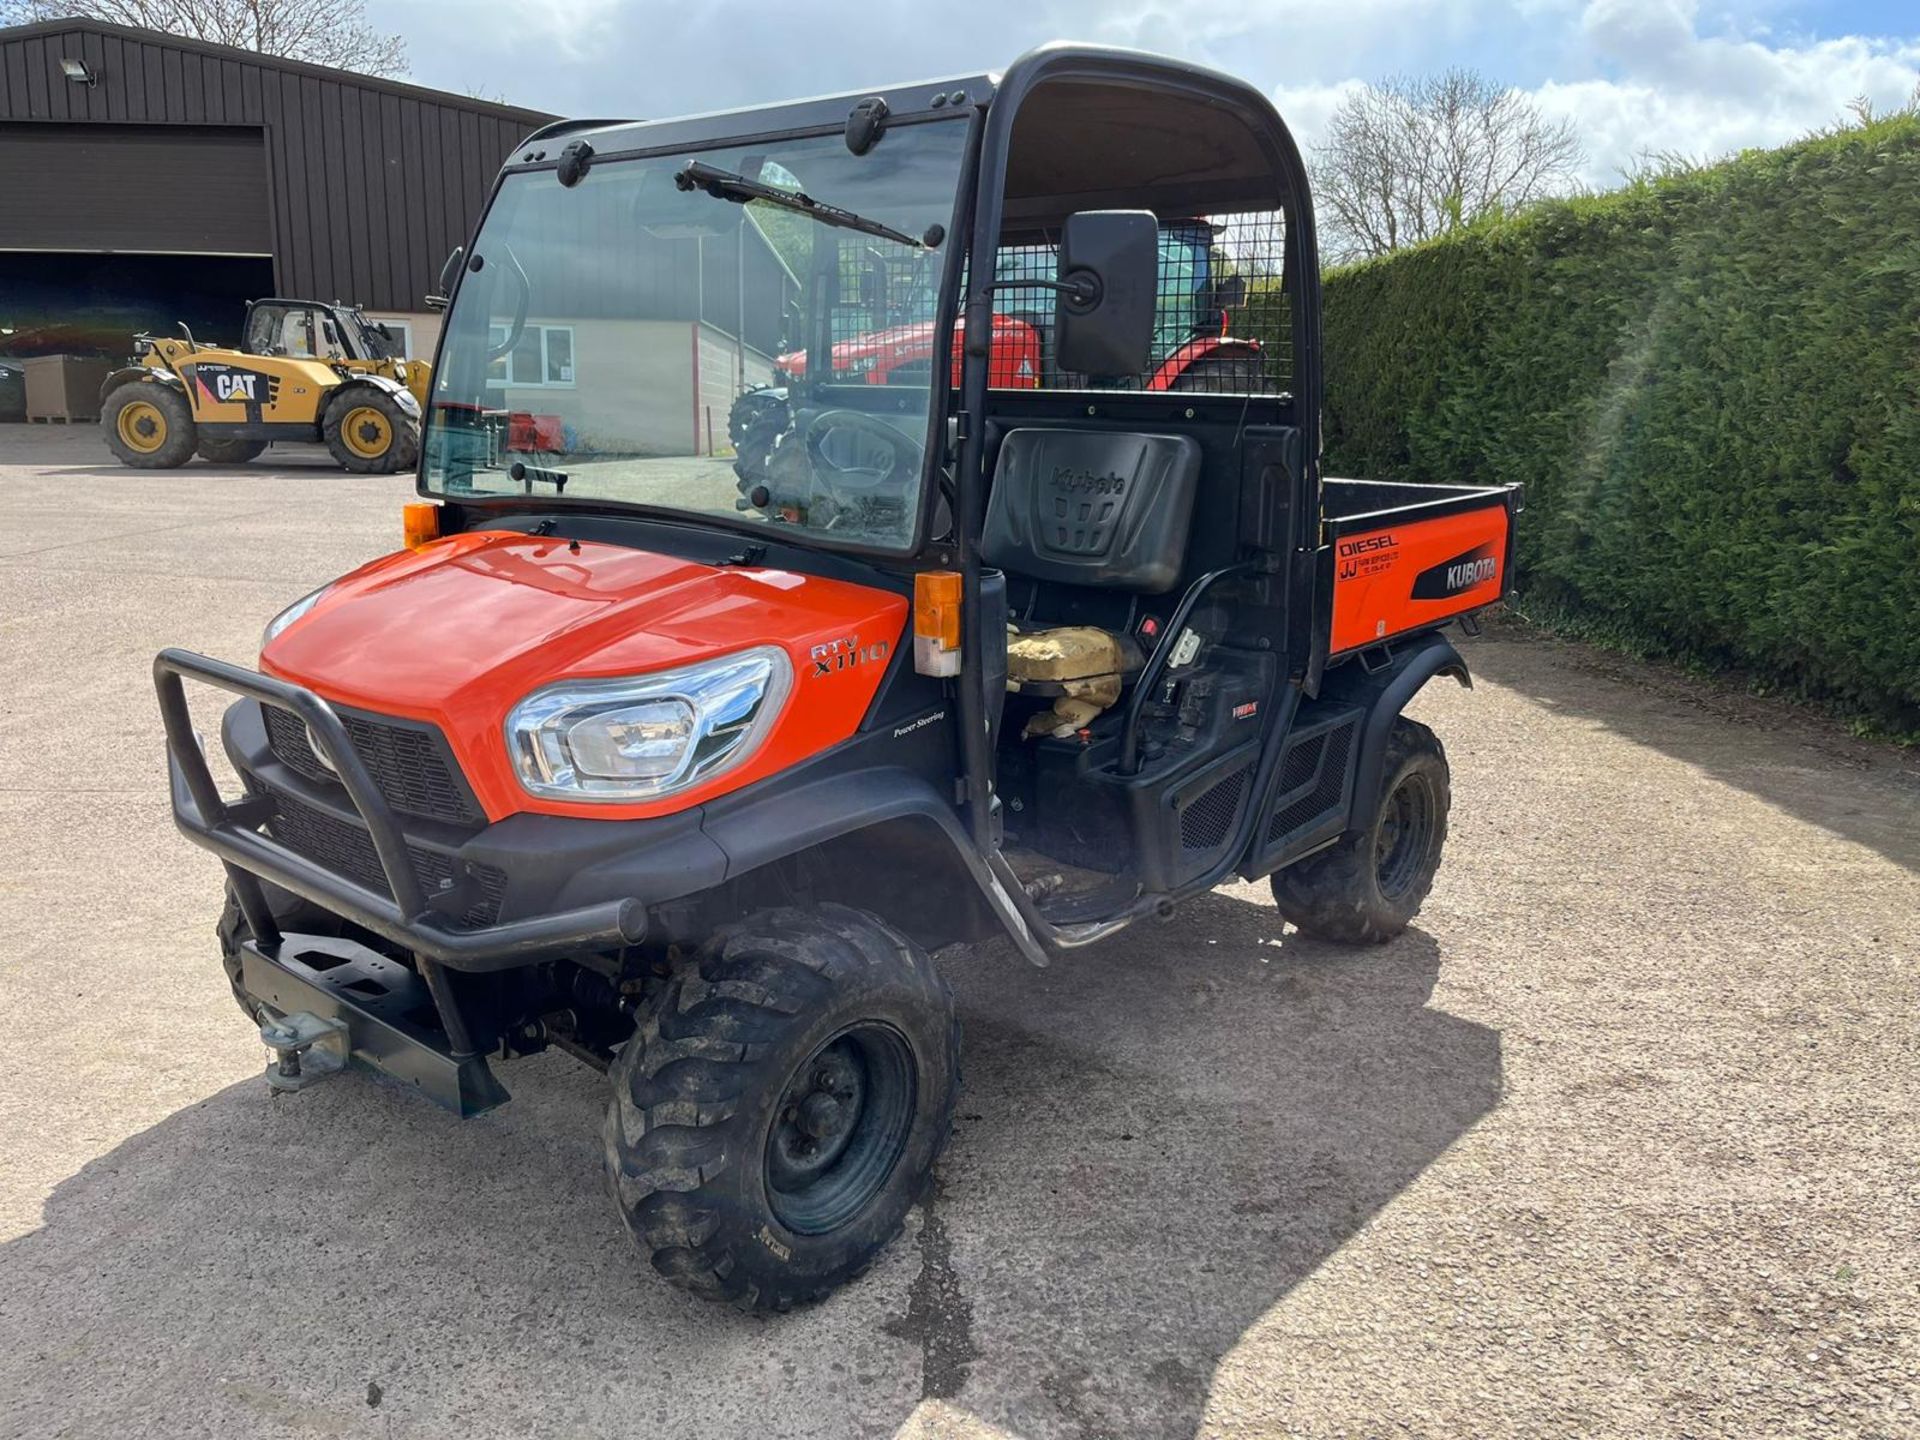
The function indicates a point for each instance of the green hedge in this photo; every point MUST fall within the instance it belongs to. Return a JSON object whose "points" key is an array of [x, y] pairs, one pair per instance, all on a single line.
{"points": [[1710, 385]]}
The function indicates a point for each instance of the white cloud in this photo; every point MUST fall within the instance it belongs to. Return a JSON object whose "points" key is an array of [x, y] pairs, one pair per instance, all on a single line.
{"points": [[1639, 76], [1633, 75], [1670, 88]]}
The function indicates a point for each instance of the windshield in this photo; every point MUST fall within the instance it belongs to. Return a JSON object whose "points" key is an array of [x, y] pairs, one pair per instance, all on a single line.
{"points": [[623, 339]]}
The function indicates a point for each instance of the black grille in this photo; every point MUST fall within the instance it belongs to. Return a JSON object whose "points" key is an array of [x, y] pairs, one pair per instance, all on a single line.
{"points": [[409, 763], [1208, 821], [346, 849], [1298, 769]]}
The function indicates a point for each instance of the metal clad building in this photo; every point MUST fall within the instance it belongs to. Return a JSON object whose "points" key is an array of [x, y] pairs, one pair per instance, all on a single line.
{"points": [[143, 174]]}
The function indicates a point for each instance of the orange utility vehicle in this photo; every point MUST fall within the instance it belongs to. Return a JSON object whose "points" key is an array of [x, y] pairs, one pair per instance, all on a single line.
{"points": [[689, 788]]}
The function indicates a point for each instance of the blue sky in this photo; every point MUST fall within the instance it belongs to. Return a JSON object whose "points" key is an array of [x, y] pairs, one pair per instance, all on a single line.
{"points": [[1702, 77]]}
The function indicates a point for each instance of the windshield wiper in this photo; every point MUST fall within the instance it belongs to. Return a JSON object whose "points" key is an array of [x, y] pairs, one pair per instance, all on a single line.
{"points": [[725, 185]]}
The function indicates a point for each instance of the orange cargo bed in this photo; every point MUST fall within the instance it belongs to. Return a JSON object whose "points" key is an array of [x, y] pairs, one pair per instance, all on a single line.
{"points": [[1410, 557]]}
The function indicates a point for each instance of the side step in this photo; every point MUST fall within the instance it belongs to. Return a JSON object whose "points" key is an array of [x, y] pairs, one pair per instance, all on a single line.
{"points": [[390, 1018]]}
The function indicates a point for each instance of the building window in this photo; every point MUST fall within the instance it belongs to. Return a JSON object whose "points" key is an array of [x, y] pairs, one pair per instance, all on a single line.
{"points": [[541, 359], [400, 330]]}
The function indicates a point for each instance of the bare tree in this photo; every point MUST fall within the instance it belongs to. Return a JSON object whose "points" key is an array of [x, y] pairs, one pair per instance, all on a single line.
{"points": [[1408, 159], [323, 32]]}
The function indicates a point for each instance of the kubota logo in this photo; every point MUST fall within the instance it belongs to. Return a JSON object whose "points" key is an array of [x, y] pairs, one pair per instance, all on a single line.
{"points": [[1458, 575]]}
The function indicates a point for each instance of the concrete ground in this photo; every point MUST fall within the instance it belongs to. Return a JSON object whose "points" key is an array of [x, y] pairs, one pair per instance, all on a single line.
{"points": [[1621, 1139]]}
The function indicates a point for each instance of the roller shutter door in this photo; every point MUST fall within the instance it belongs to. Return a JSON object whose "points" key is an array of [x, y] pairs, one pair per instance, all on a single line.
{"points": [[157, 189]]}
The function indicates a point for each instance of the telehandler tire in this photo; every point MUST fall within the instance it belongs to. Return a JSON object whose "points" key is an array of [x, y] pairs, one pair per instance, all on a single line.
{"points": [[780, 1105], [149, 425], [291, 911], [368, 432], [230, 452], [1367, 887]]}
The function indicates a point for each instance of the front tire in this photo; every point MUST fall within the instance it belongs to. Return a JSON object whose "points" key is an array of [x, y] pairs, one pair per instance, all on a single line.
{"points": [[781, 1104], [149, 425], [369, 433], [289, 910], [1367, 887]]}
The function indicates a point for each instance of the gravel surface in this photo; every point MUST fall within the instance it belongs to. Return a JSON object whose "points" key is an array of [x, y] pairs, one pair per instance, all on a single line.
{"points": [[1620, 1139]]}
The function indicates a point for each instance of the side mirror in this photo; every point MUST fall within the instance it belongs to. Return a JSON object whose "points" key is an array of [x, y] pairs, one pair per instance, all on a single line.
{"points": [[449, 272], [1109, 279]]}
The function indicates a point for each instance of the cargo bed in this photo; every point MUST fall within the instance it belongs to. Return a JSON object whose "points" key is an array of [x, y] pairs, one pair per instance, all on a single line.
{"points": [[1409, 557]]}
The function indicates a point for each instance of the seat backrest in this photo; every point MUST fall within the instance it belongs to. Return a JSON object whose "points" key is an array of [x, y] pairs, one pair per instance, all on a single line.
{"points": [[1092, 507]]}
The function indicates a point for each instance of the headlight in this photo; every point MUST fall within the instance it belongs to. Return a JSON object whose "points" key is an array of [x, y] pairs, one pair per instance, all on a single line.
{"points": [[292, 613], [861, 364], [636, 738]]}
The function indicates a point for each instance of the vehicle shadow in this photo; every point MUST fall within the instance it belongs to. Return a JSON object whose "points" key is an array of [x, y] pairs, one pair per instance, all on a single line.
{"points": [[1158, 1139], [1772, 749], [267, 467]]}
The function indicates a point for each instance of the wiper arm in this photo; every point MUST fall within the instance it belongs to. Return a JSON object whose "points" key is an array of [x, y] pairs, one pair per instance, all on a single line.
{"points": [[725, 185]]}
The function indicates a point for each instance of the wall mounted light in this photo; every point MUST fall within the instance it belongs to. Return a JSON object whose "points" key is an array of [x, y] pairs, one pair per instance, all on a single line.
{"points": [[77, 71]]}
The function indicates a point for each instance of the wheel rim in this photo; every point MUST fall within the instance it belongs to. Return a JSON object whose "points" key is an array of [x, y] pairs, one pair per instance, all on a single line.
{"points": [[366, 432], [1405, 833], [142, 426], [841, 1126]]}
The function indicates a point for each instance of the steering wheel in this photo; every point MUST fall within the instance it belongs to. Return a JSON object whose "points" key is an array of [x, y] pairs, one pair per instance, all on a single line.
{"points": [[848, 485], [523, 292]]}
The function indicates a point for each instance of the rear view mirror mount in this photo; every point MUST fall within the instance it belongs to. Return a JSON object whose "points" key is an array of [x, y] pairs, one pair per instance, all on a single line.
{"points": [[449, 272]]}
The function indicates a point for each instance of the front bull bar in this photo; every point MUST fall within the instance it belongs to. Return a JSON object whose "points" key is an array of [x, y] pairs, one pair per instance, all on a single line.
{"points": [[405, 916]]}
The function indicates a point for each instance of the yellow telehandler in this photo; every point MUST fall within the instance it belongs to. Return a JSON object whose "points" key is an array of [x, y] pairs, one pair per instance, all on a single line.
{"points": [[304, 371]]}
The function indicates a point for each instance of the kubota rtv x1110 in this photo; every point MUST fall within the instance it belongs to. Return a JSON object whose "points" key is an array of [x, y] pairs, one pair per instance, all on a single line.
{"points": [[689, 782]]}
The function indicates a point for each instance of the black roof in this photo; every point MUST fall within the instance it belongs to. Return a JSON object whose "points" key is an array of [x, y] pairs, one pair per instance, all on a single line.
{"points": [[77, 23], [914, 97]]}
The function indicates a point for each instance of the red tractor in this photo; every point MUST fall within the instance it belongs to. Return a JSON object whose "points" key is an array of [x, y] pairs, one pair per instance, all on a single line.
{"points": [[1199, 288]]}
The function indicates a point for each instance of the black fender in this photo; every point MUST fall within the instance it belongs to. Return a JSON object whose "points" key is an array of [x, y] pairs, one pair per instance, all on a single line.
{"points": [[129, 374], [866, 823], [400, 393], [1385, 691]]}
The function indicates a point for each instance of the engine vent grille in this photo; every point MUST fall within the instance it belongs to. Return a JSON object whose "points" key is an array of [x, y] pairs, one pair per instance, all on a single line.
{"points": [[1327, 753], [347, 849], [1208, 821], [409, 762]]}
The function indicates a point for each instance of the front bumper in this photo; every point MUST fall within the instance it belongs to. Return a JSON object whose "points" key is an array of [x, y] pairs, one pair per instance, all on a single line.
{"points": [[407, 914]]}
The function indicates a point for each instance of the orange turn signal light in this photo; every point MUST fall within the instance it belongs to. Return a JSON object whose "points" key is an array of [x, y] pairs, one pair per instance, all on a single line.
{"points": [[936, 622], [419, 523]]}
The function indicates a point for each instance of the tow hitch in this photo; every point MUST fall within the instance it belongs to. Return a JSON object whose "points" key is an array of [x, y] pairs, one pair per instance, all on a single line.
{"points": [[307, 1048]]}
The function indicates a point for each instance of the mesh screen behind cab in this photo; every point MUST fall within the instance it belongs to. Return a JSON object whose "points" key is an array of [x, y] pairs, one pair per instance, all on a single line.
{"points": [[1221, 321]]}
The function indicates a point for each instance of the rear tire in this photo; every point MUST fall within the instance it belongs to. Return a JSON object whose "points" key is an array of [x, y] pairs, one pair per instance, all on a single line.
{"points": [[1367, 887], [230, 452], [369, 433], [149, 425], [781, 1104], [1225, 375]]}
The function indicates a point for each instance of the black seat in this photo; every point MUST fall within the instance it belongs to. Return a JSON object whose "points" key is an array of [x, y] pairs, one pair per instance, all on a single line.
{"points": [[1092, 507]]}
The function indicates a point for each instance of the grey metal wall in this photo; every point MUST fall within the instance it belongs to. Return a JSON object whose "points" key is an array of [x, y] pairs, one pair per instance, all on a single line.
{"points": [[369, 183]]}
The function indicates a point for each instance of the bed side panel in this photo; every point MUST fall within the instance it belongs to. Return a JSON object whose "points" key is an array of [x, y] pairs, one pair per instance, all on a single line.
{"points": [[1401, 577]]}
